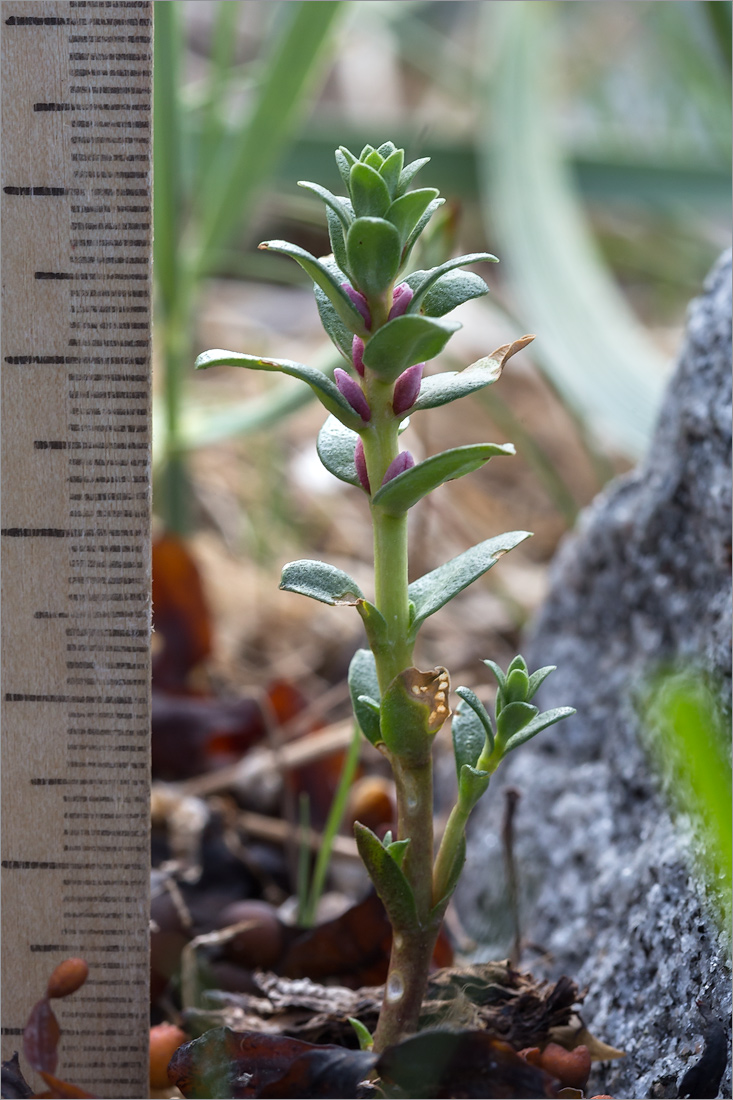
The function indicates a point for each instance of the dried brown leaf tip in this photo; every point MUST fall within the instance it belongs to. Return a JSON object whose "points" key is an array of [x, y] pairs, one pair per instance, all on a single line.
{"points": [[506, 351], [430, 687]]}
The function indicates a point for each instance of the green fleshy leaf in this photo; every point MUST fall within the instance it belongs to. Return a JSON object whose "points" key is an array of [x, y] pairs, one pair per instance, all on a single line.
{"points": [[472, 705], [406, 211], [405, 490], [469, 736], [339, 206], [440, 389], [410, 243], [408, 173], [373, 253], [455, 874], [369, 192], [366, 152], [374, 160], [513, 718], [344, 161], [389, 881], [398, 850], [363, 686], [320, 274], [366, 1042], [336, 445], [321, 582], [338, 241], [538, 678], [432, 591], [375, 626], [414, 707], [452, 290], [341, 337], [541, 722], [472, 784], [390, 170], [405, 341], [498, 672], [516, 687], [430, 278], [517, 662], [325, 390], [386, 149]]}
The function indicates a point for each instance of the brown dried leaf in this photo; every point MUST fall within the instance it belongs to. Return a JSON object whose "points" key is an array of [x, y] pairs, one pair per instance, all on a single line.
{"points": [[181, 614], [41, 1037], [506, 351], [62, 1090]]}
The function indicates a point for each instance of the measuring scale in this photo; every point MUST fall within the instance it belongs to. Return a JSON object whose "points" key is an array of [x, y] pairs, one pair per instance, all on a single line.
{"points": [[76, 272]]}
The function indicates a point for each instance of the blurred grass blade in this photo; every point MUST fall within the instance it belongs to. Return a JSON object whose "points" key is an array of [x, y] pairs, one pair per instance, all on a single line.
{"points": [[590, 343], [223, 43], [235, 174]]}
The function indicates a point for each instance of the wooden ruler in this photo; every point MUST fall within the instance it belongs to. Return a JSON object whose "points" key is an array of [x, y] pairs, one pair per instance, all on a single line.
{"points": [[76, 274]]}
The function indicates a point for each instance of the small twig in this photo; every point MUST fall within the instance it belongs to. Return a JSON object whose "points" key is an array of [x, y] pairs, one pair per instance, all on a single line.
{"points": [[280, 832], [511, 798]]}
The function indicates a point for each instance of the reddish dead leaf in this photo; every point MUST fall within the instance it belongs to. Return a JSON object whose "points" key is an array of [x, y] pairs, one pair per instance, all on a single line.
{"points": [[445, 1064], [193, 735], [62, 1090], [41, 1037], [354, 948], [571, 1067], [234, 1064], [180, 614]]}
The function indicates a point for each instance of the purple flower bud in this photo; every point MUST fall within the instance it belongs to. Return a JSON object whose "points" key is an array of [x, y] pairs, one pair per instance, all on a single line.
{"points": [[360, 302], [404, 461], [406, 389], [353, 393], [357, 354], [401, 298], [360, 463]]}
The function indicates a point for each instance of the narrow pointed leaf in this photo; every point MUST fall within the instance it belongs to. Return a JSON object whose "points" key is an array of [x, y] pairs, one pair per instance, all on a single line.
{"points": [[440, 389], [363, 1034], [398, 850], [389, 881], [325, 390], [408, 173], [320, 581], [373, 254], [341, 336], [435, 589], [469, 735], [363, 683], [541, 722], [336, 445], [336, 203], [472, 703], [452, 290], [403, 491], [320, 274], [498, 672], [405, 341], [375, 626], [517, 662], [344, 161], [409, 245], [406, 211], [369, 192], [538, 678], [472, 784], [390, 170], [337, 237], [429, 278], [513, 718]]}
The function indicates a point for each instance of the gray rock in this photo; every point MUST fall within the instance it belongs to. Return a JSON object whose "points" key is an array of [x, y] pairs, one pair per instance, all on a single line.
{"points": [[607, 883]]}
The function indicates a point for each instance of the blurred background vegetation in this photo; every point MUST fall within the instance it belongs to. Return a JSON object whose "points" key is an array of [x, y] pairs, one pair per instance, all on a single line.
{"points": [[587, 145]]}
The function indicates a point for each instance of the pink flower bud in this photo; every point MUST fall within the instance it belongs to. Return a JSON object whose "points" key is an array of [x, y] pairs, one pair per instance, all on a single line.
{"points": [[353, 393], [406, 389], [360, 463], [357, 354], [360, 302], [401, 298], [404, 461]]}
